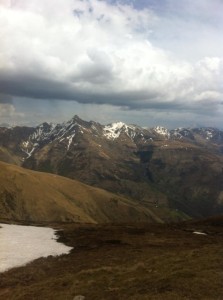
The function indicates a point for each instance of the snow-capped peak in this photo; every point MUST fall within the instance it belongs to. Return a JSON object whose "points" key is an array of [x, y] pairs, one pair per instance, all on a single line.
{"points": [[162, 131], [117, 125], [113, 131]]}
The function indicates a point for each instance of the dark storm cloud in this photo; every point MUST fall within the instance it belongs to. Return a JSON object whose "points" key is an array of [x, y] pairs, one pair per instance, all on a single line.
{"points": [[4, 98], [32, 86], [104, 56]]}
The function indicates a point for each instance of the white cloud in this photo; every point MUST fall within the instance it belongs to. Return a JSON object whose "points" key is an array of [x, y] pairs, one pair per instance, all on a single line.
{"points": [[94, 52]]}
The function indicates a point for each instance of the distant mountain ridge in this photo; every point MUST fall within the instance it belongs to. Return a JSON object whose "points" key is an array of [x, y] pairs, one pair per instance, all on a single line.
{"points": [[65, 133], [179, 169], [118, 129]]}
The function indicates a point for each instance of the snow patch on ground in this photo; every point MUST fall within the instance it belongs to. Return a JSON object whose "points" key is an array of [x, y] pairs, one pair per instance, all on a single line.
{"points": [[199, 232], [20, 245]]}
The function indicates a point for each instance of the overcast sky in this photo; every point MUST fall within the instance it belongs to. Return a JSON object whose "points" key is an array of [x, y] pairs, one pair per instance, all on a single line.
{"points": [[150, 62]]}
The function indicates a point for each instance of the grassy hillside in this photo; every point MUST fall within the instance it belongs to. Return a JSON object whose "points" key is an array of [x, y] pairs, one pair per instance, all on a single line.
{"points": [[8, 157], [34, 196]]}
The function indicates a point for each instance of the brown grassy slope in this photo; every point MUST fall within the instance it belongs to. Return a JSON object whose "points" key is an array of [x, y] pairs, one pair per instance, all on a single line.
{"points": [[7, 156], [34, 196]]}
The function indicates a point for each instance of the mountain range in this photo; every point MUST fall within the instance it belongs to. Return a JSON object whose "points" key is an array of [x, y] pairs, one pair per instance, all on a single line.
{"points": [[175, 172]]}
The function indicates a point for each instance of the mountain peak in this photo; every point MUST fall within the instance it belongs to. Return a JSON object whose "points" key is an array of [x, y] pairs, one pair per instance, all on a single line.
{"points": [[46, 126], [117, 125], [76, 118], [161, 130], [113, 130]]}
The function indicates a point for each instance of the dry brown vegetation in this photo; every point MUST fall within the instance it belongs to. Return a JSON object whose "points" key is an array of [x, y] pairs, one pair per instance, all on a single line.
{"points": [[33, 196], [134, 262]]}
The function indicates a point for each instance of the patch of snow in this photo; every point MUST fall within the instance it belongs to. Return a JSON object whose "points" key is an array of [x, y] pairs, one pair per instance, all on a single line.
{"points": [[113, 131], [199, 232], [209, 135], [176, 133], [26, 144], [23, 244], [162, 131], [66, 129], [29, 153], [70, 139], [42, 133], [70, 126]]}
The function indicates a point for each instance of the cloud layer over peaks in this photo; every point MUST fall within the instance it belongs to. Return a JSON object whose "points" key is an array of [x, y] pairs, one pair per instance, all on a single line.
{"points": [[96, 52]]}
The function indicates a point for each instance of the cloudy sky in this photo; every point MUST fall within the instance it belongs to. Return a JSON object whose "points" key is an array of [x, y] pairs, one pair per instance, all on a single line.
{"points": [[150, 62]]}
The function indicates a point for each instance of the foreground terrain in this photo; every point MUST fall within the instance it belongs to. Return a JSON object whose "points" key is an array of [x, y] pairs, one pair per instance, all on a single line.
{"points": [[126, 262]]}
